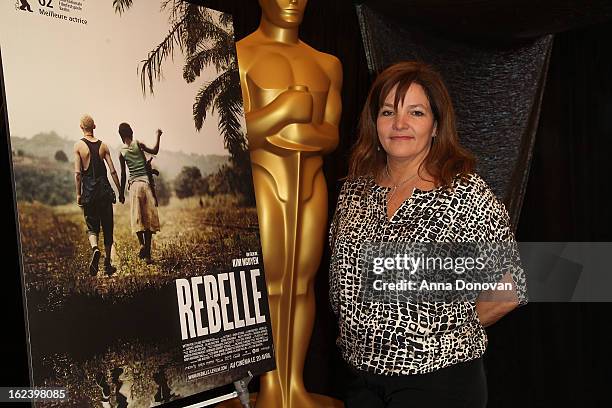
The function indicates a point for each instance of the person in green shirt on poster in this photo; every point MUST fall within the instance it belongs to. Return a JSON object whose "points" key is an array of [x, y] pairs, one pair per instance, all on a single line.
{"points": [[143, 203]]}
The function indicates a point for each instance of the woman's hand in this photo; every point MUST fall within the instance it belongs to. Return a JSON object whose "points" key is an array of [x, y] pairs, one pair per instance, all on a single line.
{"points": [[492, 305], [490, 312]]}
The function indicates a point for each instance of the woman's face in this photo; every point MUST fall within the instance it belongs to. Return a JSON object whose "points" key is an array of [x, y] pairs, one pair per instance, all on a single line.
{"points": [[406, 133]]}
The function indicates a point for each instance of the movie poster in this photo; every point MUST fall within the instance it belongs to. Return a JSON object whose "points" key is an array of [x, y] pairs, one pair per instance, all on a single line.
{"points": [[142, 272]]}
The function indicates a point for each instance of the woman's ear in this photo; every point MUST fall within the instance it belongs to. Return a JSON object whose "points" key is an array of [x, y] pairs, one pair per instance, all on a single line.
{"points": [[434, 133]]}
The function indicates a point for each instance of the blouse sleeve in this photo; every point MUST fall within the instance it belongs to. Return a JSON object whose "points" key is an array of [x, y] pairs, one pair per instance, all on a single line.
{"points": [[498, 232]]}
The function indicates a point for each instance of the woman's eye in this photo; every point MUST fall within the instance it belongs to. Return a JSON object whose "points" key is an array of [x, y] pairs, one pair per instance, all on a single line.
{"points": [[418, 113], [386, 113]]}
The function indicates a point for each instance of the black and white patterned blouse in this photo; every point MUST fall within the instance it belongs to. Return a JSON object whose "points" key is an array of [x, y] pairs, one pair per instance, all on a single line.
{"points": [[380, 337]]}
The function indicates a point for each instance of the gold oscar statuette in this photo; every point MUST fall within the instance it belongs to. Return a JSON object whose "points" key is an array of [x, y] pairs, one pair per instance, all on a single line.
{"points": [[292, 104]]}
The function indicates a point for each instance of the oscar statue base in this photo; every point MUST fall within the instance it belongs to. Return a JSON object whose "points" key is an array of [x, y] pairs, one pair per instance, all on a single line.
{"points": [[323, 401]]}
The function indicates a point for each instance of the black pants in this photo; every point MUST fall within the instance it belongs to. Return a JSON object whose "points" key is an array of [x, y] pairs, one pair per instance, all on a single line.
{"points": [[100, 214], [463, 385]]}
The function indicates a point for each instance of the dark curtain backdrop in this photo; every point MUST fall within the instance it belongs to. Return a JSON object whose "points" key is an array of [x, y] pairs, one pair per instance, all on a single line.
{"points": [[542, 355], [496, 91]]}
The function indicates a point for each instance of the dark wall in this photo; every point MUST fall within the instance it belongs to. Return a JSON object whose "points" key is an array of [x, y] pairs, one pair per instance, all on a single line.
{"points": [[542, 355], [567, 196], [556, 355]]}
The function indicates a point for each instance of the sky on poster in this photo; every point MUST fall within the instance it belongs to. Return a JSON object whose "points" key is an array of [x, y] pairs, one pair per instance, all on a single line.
{"points": [[56, 70]]}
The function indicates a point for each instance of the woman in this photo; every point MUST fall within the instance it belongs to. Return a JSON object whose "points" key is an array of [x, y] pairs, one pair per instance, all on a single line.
{"points": [[411, 181]]}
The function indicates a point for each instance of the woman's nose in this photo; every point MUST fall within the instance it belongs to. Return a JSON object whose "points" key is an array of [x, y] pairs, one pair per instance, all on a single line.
{"points": [[401, 121]]}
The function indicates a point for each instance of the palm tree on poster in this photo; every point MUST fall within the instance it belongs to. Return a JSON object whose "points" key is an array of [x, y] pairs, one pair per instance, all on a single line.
{"points": [[204, 42]]}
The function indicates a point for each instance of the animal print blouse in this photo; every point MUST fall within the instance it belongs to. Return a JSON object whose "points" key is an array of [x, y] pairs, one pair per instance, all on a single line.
{"points": [[376, 336]]}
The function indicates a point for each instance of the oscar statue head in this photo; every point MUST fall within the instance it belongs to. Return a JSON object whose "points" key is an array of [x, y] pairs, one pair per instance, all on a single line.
{"points": [[283, 13]]}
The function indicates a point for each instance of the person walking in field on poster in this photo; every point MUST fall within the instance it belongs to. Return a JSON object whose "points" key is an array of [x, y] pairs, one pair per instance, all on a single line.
{"points": [[143, 205], [94, 192]]}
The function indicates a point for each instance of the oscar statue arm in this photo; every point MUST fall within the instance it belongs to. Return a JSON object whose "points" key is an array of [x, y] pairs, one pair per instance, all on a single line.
{"points": [[291, 106], [321, 136], [326, 134]]}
